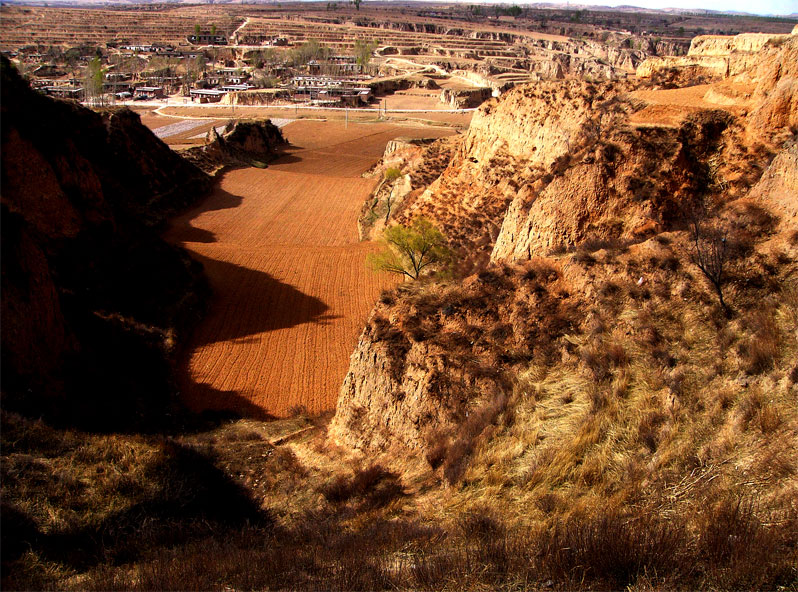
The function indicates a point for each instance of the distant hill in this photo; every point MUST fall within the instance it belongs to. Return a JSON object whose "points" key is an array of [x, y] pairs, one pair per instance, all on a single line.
{"points": [[535, 5]]}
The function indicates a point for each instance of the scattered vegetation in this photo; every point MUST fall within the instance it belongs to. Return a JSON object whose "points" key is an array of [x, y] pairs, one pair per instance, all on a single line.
{"points": [[413, 251], [75, 505], [363, 51], [392, 174]]}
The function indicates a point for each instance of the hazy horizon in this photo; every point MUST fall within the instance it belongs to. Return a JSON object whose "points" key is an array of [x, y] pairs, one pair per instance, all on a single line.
{"points": [[776, 8], [763, 8]]}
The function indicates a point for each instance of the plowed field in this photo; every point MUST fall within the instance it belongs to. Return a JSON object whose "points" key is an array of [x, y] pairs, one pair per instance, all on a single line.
{"points": [[291, 289]]}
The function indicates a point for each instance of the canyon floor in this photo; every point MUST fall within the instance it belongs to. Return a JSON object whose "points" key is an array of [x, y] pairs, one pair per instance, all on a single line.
{"points": [[291, 286]]}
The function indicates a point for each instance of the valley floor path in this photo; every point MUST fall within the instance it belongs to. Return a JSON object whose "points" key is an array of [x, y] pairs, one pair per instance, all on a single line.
{"points": [[291, 287]]}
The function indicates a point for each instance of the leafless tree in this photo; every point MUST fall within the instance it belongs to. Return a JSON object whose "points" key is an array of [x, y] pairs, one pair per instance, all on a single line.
{"points": [[710, 250]]}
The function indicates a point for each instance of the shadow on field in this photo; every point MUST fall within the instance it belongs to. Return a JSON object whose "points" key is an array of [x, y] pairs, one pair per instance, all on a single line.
{"points": [[216, 406], [181, 229], [253, 302], [192, 234], [286, 158]]}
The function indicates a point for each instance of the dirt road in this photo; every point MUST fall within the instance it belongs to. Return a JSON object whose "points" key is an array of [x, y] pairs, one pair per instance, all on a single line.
{"points": [[292, 290]]}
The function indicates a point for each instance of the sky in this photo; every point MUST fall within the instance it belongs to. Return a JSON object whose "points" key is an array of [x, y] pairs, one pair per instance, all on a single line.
{"points": [[764, 7], [776, 7]]}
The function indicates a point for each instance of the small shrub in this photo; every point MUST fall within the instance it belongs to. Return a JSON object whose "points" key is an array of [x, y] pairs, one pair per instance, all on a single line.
{"points": [[648, 430], [669, 263], [481, 524], [609, 289], [598, 399], [594, 359], [457, 459], [337, 490], [617, 355], [374, 486], [387, 297], [584, 257], [436, 453], [392, 174], [750, 405], [548, 502], [284, 460], [769, 419], [760, 351]]}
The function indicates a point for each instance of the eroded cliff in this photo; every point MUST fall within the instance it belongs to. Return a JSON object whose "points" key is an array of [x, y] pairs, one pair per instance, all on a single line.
{"points": [[512, 142], [241, 143], [583, 200]]}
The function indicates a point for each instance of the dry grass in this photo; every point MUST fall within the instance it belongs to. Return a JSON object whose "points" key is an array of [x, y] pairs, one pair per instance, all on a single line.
{"points": [[644, 454], [634, 438]]}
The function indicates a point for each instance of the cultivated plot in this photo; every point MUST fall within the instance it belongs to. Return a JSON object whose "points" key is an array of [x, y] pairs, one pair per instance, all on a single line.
{"points": [[292, 290]]}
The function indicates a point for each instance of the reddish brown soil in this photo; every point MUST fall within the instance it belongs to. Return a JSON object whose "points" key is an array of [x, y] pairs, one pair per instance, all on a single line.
{"points": [[225, 112], [292, 290], [669, 107]]}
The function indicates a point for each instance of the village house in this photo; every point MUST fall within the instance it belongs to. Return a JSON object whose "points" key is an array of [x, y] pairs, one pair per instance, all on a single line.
{"points": [[149, 92], [64, 92], [206, 95], [207, 39]]}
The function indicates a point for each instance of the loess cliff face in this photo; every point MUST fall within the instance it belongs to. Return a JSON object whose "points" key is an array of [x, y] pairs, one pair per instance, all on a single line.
{"points": [[430, 358], [575, 219], [776, 77], [511, 143], [720, 56], [721, 45], [92, 300], [777, 189], [628, 185]]}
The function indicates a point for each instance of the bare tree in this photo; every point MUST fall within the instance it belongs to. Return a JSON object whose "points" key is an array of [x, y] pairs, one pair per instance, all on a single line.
{"points": [[710, 250], [94, 82]]}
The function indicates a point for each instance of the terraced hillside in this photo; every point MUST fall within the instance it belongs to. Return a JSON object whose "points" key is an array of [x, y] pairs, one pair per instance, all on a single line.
{"points": [[76, 26]]}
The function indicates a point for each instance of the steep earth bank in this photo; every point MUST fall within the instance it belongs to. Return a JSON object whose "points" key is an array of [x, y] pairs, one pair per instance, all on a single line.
{"points": [[93, 300], [720, 56], [241, 143], [549, 180]]}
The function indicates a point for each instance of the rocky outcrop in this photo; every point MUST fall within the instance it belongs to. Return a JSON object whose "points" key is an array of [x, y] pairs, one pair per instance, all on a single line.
{"points": [[625, 187], [467, 98], [776, 78], [407, 167], [511, 143], [721, 45], [716, 66], [93, 299], [240, 144], [430, 368], [381, 404], [778, 187], [719, 56]]}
